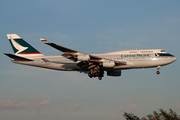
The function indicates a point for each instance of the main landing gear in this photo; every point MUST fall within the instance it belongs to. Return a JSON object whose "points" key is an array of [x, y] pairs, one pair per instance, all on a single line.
{"points": [[100, 78], [96, 72], [158, 72]]}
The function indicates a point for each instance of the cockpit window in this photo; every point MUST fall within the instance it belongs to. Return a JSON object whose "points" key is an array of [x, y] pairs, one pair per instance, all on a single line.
{"points": [[164, 55], [162, 50]]}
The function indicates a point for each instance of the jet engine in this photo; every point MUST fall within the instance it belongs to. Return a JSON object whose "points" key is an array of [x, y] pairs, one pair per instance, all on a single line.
{"points": [[108, 64], [114, 73], [83, 57]]}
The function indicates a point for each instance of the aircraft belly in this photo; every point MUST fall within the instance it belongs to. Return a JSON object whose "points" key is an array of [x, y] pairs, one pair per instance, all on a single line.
{"points": [[50, 65]]}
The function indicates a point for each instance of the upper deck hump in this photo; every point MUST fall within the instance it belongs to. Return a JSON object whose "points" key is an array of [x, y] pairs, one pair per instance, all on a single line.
{"points": [[142, 51]]}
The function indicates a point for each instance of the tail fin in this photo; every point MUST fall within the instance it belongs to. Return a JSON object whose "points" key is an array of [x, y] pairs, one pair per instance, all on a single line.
{"points": [[21, 47]]}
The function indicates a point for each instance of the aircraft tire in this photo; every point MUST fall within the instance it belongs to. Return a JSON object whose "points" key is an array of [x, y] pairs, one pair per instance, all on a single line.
{"points": [[100, 78], [158, 72]]}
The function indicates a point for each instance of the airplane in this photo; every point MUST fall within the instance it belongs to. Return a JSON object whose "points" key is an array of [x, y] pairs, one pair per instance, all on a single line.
{"points": [[92, 64]]}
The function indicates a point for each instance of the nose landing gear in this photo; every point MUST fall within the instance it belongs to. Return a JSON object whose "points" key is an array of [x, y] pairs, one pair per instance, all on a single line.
{"points": [[158, 72]]}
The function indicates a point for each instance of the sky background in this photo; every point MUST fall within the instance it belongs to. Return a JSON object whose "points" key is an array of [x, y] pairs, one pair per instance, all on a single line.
{"points": [[90, 26]]}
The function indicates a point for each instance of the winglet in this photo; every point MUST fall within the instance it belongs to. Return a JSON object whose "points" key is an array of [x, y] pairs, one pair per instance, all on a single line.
{"points": [[44, 41]]}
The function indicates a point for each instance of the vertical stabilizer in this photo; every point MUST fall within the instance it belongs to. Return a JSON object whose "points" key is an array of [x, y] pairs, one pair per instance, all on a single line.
{"points": [[21, 47]]}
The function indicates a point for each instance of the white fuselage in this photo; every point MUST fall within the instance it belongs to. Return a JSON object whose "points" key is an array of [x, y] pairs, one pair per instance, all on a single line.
{"points": [[134, 59]]}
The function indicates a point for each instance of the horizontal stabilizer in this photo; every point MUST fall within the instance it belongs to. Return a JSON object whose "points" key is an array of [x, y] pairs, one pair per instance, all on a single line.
{"points": [[45, 60], [18, 58]]}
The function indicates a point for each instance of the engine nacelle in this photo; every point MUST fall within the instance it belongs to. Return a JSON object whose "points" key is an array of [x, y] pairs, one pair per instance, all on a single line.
{"points": [[108, 64], [114, 73], [83, 57]]}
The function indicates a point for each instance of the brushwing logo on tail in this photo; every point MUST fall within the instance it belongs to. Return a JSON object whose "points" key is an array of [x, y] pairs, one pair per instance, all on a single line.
{"points": [[17, 46]]}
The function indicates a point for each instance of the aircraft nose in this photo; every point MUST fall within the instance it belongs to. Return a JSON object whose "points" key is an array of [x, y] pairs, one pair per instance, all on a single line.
{"points": [[175, 59]]}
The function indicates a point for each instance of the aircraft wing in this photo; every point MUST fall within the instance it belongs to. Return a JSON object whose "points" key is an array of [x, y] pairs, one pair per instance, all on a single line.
{"points": [[61, 48], [92, 62]]}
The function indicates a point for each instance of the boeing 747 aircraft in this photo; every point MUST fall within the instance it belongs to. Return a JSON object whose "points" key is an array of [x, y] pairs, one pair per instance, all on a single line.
{"points": [[93, 64]]}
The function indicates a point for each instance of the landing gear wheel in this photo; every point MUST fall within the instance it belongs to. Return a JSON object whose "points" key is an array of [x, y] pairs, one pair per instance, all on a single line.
{"points": [[100, 78], [89, 74], [158, 72]]}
